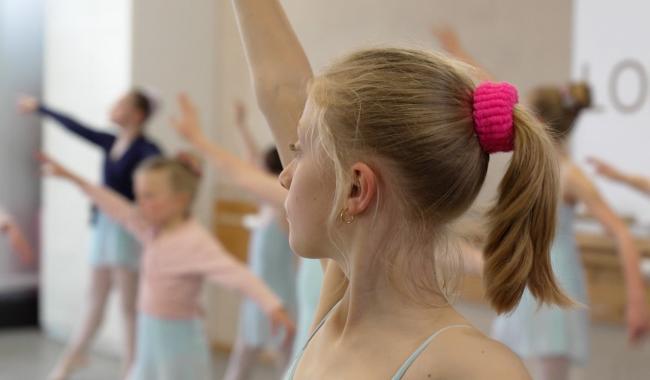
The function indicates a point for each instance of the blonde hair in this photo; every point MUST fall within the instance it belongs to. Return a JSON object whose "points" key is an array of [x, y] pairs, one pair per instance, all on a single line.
{"points": [[559, 107], [183, 171], [412, 111]]}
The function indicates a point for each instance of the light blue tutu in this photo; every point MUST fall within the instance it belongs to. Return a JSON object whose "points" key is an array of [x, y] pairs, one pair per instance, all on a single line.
{"points": [[309, 282], [113, 246], [171, 350], [532, 331], [271, 259]]}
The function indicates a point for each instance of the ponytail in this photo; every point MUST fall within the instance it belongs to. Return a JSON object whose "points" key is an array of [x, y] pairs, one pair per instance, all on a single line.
{"points": [[522, 223]]}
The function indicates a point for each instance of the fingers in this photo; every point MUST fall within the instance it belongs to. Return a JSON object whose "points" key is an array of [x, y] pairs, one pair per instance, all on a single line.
{"points": [[42, 157], [27, 104]]}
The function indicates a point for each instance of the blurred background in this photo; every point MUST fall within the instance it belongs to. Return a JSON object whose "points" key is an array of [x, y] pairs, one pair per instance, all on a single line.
{"points": [[80, 55]]}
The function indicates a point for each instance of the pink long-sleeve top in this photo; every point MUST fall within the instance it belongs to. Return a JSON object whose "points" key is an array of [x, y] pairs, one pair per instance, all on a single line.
{"points": [[176, 263]]}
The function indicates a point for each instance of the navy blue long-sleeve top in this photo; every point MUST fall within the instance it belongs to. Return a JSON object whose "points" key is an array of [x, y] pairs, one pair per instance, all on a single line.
{"points": [[117, 174]]}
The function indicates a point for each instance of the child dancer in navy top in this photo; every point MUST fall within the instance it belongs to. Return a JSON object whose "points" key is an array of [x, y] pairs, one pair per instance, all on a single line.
{"points": [[115, 253]]}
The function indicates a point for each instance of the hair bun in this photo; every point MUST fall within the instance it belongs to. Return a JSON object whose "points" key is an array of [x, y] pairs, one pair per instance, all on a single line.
{"points": [[577, 96]]}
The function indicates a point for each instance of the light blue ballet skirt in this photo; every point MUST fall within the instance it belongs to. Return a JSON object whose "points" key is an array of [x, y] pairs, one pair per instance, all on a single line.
{"points": [[532, 331], [113, 246], [170, 349], [271, 259], [308, 285]]}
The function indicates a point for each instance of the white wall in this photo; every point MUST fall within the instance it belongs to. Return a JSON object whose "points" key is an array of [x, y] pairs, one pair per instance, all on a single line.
{"points": [[174, 50], [20, 71], [87, 66], [618, 128]]}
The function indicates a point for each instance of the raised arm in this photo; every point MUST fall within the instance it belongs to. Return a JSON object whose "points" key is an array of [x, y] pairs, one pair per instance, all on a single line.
{"points": [[30, 105], [279, 67], [245, 175], [111, 203], [582, 189], [639, 183]]}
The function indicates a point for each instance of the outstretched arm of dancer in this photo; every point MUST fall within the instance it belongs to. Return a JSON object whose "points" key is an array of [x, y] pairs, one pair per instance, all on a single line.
{"points": [[639, 183], [450, 42], [222, 268], [638, 317], [17, 240], [109, 202], [263, 185], [30, 105]]}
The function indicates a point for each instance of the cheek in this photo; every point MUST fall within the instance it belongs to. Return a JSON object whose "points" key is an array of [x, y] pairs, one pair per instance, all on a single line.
{"points": [[308, 201], [152, 206]]}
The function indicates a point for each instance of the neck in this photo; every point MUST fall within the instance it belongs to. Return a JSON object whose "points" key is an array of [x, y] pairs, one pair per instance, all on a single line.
{"points": [[130, 132], [172, 224], [373, 298]]}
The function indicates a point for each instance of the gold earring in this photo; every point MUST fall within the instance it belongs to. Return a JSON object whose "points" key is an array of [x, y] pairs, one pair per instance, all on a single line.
{"points": [[347, 219]]}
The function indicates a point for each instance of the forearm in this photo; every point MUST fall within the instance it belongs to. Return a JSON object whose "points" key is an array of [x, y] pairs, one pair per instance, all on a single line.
{"points": [[244, 175], [258, 291], [639, 183], [230, 273], [275, 55], [278, 65], [115, 206], [223, 160], [74, 126]]}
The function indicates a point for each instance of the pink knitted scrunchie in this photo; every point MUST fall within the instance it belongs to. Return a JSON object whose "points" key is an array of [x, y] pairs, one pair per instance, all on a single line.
{"points": [[493, 116]]}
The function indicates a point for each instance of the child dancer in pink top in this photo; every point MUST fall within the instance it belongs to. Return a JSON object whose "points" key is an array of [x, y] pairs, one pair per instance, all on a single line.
{"points": [[179, 254]]}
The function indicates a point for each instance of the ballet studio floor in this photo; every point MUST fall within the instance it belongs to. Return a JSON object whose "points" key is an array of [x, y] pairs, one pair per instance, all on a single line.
{"points": [[28, 355]]}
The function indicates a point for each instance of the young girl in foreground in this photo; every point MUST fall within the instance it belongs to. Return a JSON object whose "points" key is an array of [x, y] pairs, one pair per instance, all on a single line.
{"points": [[391, 149], [179, 254]]}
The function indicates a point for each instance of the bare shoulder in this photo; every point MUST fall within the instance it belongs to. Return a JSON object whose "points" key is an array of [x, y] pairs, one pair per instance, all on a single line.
{"points": [[576, 183], [464, 354]]}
